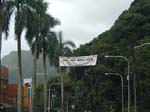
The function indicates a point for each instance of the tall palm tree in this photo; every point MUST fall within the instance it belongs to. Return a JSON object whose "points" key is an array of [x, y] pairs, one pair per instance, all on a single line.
{"points": [[1, 30], [45, 38], [48, 44], [35, 48], [64, 48], [22, 9], [33, 37], [4, 26], [33, 41], [40, 39]]}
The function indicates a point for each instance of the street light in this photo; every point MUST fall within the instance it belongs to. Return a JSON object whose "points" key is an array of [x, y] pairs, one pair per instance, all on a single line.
{"points": [[108, 56], [121, 77], [134, 80], [49, 107], [141, 45], [72, 106], [128, 76], [52, 101]]}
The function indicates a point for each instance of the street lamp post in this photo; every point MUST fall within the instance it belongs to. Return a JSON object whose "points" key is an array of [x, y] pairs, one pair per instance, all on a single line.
{"points": [[49, 107], [52, 101], [68, 102], [141, 45], [121, 77], [62, 93], [128, 76], [73, 106], [134, 80]]}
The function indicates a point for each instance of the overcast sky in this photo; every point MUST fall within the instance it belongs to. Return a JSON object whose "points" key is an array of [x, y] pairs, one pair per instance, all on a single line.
{"points": [[81, 20]]}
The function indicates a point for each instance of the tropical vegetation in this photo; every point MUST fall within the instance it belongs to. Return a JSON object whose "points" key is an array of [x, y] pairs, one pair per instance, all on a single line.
{"points": [[103, 93], [41, 40], [88, 88], [25, 12]]}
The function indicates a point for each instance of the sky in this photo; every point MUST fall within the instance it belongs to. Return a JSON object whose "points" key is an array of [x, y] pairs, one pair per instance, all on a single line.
{"points": [[81, 20]]}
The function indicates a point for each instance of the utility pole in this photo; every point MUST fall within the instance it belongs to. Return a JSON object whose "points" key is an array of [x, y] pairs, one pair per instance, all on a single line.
{"points": [[122, 87], [134, 81], [62, 92], [49, 102], [128, 76]]}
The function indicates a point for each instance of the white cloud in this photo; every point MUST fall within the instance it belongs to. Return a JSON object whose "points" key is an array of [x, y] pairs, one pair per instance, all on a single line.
{"points": [[81, 20]]}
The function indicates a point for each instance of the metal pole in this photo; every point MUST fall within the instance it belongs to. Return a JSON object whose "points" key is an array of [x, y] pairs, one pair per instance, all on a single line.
{"points": [[125, 58], [122, 90], [49, 105], [30, 99], [52, 104], [67, 105], [134, 83], [62, 93], [135, 95], [135, 110], [141, 45], [128, 86], [122, 93]]}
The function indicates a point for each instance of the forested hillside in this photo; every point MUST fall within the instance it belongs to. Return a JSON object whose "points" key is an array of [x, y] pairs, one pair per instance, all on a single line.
{"points": [[103, 93], [10, 61]]}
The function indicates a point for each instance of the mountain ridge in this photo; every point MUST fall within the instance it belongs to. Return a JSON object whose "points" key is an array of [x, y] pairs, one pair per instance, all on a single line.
{"points": [[11, 62]]}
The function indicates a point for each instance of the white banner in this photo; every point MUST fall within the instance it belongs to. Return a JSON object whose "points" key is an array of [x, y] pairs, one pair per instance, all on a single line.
{"points": [[78, 61]]}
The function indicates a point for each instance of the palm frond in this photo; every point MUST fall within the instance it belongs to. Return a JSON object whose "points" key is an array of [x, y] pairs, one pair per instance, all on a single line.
{"points": [[8, 9], [67, 51], [69, 44]]}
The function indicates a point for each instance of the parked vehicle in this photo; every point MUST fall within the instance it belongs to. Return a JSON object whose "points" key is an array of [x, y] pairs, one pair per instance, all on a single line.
{"points": [[2, 108]]}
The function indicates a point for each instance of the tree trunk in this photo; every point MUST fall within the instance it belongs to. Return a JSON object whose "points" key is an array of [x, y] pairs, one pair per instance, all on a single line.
{"points": [[45, 82], [1, 6], [34, 81], [19, 98], [0, 67]]}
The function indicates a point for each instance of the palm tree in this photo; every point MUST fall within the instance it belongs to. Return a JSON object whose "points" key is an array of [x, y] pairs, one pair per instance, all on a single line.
{"points": [[48, 45], [1, 30], [33, 41], [35, 48], [40, 39], [4, 23], [33, 38], [22, 9], [64, 48], [46, 39]]}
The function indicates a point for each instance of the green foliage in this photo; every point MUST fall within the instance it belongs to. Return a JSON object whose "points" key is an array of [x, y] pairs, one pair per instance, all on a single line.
{"points": [[133, 24], [95, 91], [61, 48], [103, 92], [12, 109]]}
